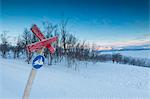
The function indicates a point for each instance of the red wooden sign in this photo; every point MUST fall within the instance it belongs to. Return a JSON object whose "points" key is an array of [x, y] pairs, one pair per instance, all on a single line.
{"points": [[43, 41]]}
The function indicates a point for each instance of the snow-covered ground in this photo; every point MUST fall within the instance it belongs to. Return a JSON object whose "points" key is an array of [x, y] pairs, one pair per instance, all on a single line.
{"points": [[136, 53], [97, 81]]}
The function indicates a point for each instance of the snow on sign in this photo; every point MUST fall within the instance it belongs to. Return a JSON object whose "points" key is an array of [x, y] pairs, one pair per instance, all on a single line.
{"points": [[38, 62]]}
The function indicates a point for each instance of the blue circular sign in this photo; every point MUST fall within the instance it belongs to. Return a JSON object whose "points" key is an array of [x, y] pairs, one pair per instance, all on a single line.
{"points": [[38, 61]]}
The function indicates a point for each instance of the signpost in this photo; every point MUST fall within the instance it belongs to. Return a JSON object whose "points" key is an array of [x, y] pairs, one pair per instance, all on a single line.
{"points": [[39, 60]]}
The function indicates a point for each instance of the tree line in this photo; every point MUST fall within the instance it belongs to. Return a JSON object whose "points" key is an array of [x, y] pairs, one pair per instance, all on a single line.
{"points": [[68, 48]]}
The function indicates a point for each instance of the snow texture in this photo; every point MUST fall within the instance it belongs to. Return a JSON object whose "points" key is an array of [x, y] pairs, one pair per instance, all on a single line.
{"points": [[97, 81]]}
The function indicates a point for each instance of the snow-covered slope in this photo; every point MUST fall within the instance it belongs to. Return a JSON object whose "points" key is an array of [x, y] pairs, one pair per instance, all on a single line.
{"points": [[136, 53], [97, 81]]}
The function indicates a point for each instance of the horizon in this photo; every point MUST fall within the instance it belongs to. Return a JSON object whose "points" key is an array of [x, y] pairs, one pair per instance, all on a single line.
{"points": [[103, 22]]}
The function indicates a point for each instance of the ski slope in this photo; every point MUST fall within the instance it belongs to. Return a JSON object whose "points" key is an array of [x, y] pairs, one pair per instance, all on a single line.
{"points": [[97, 81]]}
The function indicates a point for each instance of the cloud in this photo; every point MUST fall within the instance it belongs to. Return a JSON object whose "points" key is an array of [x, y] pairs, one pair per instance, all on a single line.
{"points": [[124, 43]]}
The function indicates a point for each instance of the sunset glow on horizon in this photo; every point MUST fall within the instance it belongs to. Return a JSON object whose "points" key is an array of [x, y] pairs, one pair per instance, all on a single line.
{"points": [[103, 22]]}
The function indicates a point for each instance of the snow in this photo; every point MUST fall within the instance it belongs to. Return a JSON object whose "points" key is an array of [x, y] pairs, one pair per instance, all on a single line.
{"points": [[96, 81], [135, 53]]}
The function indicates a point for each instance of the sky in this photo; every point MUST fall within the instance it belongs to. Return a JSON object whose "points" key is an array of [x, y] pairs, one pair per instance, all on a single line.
{"points": [[103, 22]]}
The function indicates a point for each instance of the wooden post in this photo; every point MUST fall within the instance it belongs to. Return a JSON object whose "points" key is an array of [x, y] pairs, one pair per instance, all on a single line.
{"points": [[30, 80], [29, 84]]}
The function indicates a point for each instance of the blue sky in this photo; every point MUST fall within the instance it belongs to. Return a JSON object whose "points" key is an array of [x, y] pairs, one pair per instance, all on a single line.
{"points": [[105, 22]]}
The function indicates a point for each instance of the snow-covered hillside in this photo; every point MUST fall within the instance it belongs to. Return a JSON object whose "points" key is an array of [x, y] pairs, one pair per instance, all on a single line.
{"points": [[136, 53], [97, 81]]}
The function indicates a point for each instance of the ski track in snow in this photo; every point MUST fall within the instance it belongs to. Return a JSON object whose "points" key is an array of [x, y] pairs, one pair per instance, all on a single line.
{"points": [[97, 81]]}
